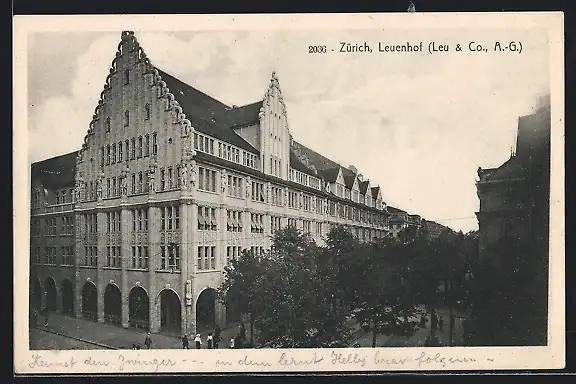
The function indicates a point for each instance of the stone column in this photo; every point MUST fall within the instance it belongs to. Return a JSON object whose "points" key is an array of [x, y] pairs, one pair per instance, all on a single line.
{"points": [[125, 219], [184, 250], [153, 262], [81, 241], [192, 218], [101, 252]]}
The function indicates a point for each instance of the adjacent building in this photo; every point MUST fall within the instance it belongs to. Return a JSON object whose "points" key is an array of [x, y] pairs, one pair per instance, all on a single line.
{"points": [[514, 197], [168, 186]]}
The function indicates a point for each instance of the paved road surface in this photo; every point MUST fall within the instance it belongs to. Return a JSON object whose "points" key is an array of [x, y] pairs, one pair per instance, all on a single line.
{"points": [[114, 336], [40, 340]]}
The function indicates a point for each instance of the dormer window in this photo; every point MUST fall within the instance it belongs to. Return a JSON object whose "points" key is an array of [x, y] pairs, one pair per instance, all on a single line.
{"points": [[126, 76], [126, 118], [107, 124], [147, 112]]}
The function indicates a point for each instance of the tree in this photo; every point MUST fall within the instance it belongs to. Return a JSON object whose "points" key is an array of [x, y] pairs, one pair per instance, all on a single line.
{"points": [[511, 295], [296, 312], [243, 285], [385, 301]]}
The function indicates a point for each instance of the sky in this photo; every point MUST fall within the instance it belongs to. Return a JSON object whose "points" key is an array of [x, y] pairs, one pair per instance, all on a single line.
{"points": [[418, 125]]}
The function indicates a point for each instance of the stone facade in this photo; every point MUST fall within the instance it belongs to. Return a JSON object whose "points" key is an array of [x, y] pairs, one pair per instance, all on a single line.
{"points": [[169, 186]]}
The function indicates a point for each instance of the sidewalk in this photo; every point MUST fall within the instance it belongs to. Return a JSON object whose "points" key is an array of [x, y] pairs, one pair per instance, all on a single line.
{"points": [[116, 337]]}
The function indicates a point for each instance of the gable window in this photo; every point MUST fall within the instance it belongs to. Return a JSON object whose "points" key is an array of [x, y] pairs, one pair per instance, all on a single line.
{"points": [[126, 76], [107, 124], [126, 118], [147, 112]]}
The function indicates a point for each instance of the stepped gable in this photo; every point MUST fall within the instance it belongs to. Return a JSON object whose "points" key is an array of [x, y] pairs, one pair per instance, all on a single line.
{"points": [[56, 172], [207, 114]]}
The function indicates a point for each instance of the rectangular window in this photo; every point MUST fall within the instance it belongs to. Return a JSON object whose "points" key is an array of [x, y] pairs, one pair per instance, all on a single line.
{"points": [[107, 155], [140, 182], [113, 153], [120, 152], [200, 258], [162, 180], [133, 183], [147, 146], [133, 148], [170, 180], [140, 145], [206, 179]]}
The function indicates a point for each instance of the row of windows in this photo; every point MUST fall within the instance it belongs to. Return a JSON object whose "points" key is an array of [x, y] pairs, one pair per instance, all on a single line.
{"points": [[170, 217], [49, 255], [234, 222], [233, 252], [91, 223], [170, 257], [130, 149], [113, 222], [225, 151], [170, 178], [139, 219], [51, 227], [206, 179], [258, 192], [206, 258], [275, 166], [304, 179], [207, 218], [256, 223], [235, 186], [64, 196]]}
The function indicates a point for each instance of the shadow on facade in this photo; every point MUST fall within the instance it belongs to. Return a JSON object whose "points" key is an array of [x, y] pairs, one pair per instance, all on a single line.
{"points": [[205, 310], [170, 313], [112, 305], [138, 308], [67, 297], [89, 302]]}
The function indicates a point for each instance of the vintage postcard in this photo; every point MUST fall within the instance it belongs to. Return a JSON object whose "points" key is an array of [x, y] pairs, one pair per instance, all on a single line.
{"points": [[288, 193]]}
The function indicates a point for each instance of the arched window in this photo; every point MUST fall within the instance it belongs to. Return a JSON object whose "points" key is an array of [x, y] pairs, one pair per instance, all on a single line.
{"points": [[126, 76], [126, 118], [107, 124], [147, 112]]}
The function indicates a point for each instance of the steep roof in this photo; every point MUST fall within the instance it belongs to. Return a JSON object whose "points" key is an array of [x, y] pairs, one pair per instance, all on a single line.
{"points": [[511, 169], [319, 161], [56, 172], [375, 192], [349, 180], [245, 115], [364, 186], [207, 114], [330, 174], [300, 166], [394, 210]]}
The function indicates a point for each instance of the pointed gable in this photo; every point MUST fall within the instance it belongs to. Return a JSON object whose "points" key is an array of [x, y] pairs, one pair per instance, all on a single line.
{"points": [[331, 175], [376, 192]]}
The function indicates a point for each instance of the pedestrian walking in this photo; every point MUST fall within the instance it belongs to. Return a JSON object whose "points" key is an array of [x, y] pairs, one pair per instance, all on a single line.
{"points": [[210, 341], [232, 344], [217, 335], [198, 341], [185, 342], [440, 323], [148, 341], [242, 332]]}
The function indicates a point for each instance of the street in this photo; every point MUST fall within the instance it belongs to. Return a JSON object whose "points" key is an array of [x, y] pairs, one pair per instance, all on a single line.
{"points": [[108, 336]]}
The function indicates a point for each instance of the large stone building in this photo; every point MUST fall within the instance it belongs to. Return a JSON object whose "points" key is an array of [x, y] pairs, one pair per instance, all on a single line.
{"points": [[514, 197], [168, 186]]}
